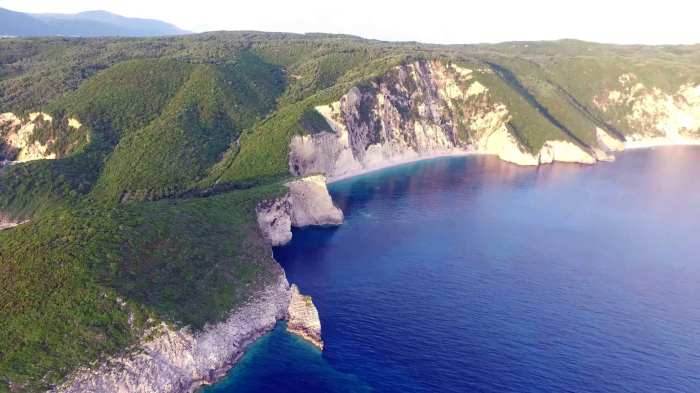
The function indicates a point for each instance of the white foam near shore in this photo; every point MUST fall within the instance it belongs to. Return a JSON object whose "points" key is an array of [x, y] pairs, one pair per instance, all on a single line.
{"points": [[401, 161], [630, 145], [659, 142]]}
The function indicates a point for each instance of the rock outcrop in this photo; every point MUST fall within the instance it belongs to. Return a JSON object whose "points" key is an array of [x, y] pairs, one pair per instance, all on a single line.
{"points": [[169, 360], [302, 318], [653, 116], [275, 221], [20, 140], [178, 361], [16, 138], [431, 108], [306, 203], [418, 110], [6, 223]]}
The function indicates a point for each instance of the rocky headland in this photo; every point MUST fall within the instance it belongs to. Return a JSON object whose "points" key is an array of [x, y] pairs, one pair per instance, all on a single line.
{"points": [[172, 360], [302, 318]]}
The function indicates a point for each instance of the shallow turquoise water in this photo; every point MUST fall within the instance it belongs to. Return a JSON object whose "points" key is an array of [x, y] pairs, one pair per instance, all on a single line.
{"points": [[470, 274]]}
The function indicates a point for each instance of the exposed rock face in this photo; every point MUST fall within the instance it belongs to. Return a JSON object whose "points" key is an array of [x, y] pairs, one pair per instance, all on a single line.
{"points": [[178, 361], [19, 141], [306, 203], [16, 138], [564, 151], [6, 223], [418, 110], [429, 108], [311, 204], [274, 220], [655, 117], [303, 318]]}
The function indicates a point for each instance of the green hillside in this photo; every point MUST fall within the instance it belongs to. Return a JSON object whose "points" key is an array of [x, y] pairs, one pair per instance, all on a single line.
{"points": [[149, 208]]}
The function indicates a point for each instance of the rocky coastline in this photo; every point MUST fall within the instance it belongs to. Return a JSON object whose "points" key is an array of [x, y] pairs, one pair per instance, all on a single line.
{"points": [[429, 109], [169, 360]]}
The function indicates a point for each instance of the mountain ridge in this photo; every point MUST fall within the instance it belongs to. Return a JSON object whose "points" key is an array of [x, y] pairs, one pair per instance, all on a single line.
{"points": [[95, 23]]}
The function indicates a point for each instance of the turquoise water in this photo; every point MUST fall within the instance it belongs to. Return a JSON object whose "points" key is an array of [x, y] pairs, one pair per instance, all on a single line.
{"points": [[470, 274]]}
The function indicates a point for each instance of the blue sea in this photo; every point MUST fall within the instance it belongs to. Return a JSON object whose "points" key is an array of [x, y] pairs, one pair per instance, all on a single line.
{"points": [[474, 275]]}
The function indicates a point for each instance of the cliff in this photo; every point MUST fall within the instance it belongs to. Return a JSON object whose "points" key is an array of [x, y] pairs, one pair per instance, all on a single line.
{"points": [[173, 361], [429, 108], [169, 360], [302, 318], [17, 138], [656, 117], [175, 147], [20, 140], [306, 203]]}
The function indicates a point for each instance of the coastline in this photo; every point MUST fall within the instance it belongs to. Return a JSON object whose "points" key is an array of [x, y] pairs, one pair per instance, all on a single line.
{"points": [[403, 161], [170, 376], [178, 361], [658, 142], [630, 145]]}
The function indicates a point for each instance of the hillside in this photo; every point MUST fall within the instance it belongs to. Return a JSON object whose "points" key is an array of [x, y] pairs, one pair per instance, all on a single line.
{"points": [[83, 24], [139, 162]]}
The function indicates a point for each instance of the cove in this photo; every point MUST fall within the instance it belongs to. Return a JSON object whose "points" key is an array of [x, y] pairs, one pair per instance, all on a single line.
{"points": [[470, 274]]}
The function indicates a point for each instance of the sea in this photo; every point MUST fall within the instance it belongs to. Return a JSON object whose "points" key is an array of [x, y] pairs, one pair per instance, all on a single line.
{"points": [[469, 274]]}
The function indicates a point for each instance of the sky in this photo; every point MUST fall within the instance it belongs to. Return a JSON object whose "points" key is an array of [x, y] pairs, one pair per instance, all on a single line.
{"points": [[430, 21]]}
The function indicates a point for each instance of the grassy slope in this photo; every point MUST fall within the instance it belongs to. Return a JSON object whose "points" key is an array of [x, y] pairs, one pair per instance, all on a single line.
{"points": [[168, 115]]}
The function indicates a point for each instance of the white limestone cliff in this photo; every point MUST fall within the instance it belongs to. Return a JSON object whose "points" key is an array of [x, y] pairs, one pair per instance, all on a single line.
{"points": [[657, 117], [306, 203], [274, 220], [178, 361], [16, 138], [302, 318], [169, 360], [430, 108], [419, 110]]}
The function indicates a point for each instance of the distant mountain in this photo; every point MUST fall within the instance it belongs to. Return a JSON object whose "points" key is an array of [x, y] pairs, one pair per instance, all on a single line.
{"points": [[84, 24]]}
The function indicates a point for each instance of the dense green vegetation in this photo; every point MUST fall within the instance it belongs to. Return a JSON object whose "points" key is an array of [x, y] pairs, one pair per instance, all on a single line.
{"points": [[167, 121], [63, 275]]}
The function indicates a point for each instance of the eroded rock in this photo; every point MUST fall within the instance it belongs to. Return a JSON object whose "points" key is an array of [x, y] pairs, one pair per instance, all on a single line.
{"points": [[418, 110], [302, 318], [306, 203], [178, 361], [16, 138], [657, 117]]}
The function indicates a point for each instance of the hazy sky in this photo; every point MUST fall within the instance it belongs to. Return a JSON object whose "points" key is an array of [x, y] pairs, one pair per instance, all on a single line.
{"points": [[436, 21]]}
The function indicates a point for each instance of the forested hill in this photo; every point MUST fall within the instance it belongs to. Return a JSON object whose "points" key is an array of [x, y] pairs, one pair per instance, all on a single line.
{"points": [[161, 147]]}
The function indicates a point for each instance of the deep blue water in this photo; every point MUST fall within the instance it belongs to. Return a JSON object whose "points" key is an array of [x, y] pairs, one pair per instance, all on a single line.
{"points": [[470, 274]]}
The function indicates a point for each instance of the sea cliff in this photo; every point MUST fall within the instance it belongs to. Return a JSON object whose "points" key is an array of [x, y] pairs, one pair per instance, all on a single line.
{"points": [[306, 203], [178, 360], [432, 108]]}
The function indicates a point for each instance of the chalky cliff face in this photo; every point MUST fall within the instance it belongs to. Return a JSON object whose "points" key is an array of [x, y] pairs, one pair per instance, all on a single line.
{"points": [[652, 114], [430, 108], [20, 142], [421, 109]]}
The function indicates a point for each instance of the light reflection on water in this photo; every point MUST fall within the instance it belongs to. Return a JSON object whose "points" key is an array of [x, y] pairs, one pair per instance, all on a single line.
{"points": [[471, 274]]}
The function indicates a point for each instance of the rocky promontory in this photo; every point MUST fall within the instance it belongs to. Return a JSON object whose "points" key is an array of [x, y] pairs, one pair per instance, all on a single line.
{"points": [[302, 318], [306, 203], [172, 360]]}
